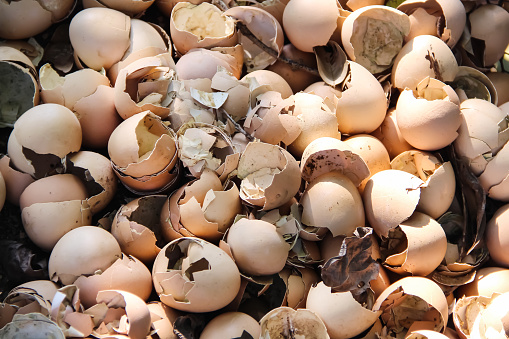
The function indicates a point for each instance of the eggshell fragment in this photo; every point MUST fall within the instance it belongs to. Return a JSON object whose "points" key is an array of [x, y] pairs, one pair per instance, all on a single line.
{"points": [[131, 7], [270, 175], [495, 179], [163, 318], [202, 277], [275, 81], [231, 325], [203, 63], [285, 321]]}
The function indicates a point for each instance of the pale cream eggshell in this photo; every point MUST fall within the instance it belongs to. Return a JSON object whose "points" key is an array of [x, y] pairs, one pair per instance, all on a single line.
{"points": [[390, 135], [15, 181], [200, 26], [496, 239], [163, 318], [298, 282], [32, 325], [100, 36], [323, 90], [231, 325], [308, 24], [426, 334], [127, 273], [495, 178], [257, 247], [209, 288], [300, 323], [343, 316], [82, 251], [130, 7], [488, 280], [423, 56], [281, 185], [362, 106], [275, 81], [354, 5], [390, 197], [203, 63], [365, 44], [425, 238], [332, 201]]}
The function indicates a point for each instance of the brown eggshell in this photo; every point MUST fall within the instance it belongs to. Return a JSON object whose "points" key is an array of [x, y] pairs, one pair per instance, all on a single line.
{"points": [[208, 288], [100, 36], [138, 315], [231, 325], [203, 63], [245, 238], [332, 201], [163, 318], [488, 280], [15, 181], [286, 321], [466, 312], [390, 197], [425, 238], [501, 82], [308, 24], [496, 239], [343, 316], [276, 167], [131, 7], [127, 273], [362, 106], [423, 56], [275, 81], [82, 251], [137, 228], [298, 282], [472, 83], [495, 179], [416, 288], [390, 135], [363, 42]]}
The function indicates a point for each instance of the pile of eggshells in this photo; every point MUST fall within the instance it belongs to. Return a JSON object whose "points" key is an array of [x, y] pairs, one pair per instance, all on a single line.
{"points": [[247, 170]]}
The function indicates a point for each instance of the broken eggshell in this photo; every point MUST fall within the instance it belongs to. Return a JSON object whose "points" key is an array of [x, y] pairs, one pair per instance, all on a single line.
{"points": [[275, 81], [298, 281], [496, 239], [231, 325], [191, 274], [14, 180], [270, 175], [390, 135], [471, 83], [287, 322], [203, 63], [130, 7], [31, 325], [137, 228]]}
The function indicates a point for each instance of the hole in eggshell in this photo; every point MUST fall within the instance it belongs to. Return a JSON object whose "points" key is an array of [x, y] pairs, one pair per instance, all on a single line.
{"points": [[44, 164], [197, 266]]}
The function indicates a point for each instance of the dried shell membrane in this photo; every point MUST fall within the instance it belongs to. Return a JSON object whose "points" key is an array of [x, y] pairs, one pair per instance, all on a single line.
{"points": [[374, 35], [31, 325], [191, 274], [204, 146], [266, 28], [19, 90], [287, 322], [202, 208], [137, 227], [143, 151], [143, 85], [270, 175], [200, 26], [471, 83]]}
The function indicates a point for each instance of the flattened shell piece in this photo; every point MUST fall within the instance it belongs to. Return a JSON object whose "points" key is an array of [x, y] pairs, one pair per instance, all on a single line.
{"points": [[271, 175], [287, 322]]}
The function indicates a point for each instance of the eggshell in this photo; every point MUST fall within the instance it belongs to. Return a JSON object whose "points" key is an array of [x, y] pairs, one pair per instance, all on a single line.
{"points": [[390, 135], [245, 238], [274, 169], [332, 201], [131, 7], [203, 63], [496, 239], [471, 83], [425, 238], [362, 105], [231, 325], [285, 321], [426, 334], [494, 179], [308, 24], [82, 251], [127, 273], [343, 316], [163, 318], [488, 280], [99, 36], [298, 282], [206, 280], [275, 81], [423, 56], [15, 181], [429, 118], [501, 82], [390, 197], [364, 42], [30, 326]]}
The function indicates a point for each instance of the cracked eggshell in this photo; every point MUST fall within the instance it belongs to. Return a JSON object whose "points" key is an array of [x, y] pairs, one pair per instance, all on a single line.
{"points": [[424, 238], [487, 281], [429, 118], [127, 273], [275, 81], [298, 281], [270, 175], [373, 35], [100, 36], [41, 130], [420, 296], [427, 16], [390, 197], [137, 227], [163, 318], [363, 105], [439, 189], [26, 18], [287, 322], [82, 251], [135, 321], [130, 7], [191, 274], [332, 201], [497, 239], [201, 26], [52, 206], [203, 63], [231, 325], [343, 316], [15, 181], [309, 24], [265, 27], [495, 178], [257, 247], [423, 56]]}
